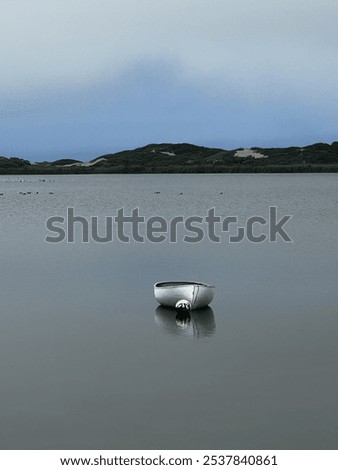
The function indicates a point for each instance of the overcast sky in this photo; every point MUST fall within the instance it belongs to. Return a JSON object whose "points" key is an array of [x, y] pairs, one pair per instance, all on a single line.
{"points": [[80, 78]]}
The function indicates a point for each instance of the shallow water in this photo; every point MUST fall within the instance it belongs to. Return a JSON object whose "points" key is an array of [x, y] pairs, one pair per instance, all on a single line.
{"points": [[89, 361]]}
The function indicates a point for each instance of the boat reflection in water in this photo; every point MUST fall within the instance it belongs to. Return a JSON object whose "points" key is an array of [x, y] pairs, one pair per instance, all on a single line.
{"points": [[196, 323]]}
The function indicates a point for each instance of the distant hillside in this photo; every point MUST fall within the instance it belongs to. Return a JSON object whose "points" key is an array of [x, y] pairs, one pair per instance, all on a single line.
{"points": [[13, 163], [188, 158]]}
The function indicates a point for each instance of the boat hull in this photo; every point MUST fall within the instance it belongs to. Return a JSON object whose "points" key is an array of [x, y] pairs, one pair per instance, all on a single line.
{"points": [[168, 293]]}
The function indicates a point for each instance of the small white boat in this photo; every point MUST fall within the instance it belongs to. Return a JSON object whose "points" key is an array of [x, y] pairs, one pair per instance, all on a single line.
{"points": [[186, 295]]}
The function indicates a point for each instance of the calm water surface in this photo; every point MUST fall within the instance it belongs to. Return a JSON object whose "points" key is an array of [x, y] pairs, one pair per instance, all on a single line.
{"points": [[89, 361]]}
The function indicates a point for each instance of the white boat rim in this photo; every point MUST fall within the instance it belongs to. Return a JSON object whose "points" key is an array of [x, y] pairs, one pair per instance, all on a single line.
{"points": [[169, 284]]}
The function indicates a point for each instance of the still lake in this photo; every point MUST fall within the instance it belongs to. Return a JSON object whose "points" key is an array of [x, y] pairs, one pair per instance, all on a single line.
{"points": [[88, 361]]}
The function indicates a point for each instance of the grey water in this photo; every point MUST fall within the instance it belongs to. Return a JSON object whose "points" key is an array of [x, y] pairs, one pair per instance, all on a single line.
{"points": [[88, 360]]}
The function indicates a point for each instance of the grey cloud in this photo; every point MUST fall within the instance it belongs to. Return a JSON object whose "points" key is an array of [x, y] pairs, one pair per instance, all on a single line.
{"points": [[71, 42]]}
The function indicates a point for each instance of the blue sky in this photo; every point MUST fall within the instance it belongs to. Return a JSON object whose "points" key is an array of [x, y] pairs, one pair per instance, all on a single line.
{"points": [[81, 78]]}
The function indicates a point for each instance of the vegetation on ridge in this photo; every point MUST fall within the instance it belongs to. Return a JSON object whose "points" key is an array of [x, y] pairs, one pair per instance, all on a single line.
{"points": [[188, 158]]}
